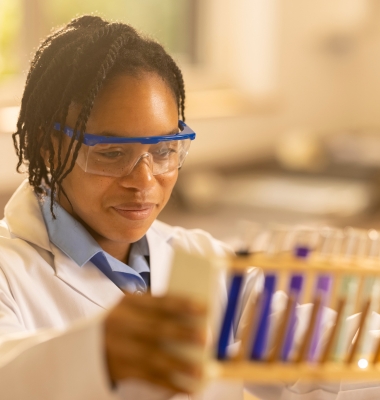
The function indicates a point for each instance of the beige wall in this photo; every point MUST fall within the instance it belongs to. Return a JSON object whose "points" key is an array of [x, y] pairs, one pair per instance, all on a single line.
{"points": [[313, 88], [317, 89]]}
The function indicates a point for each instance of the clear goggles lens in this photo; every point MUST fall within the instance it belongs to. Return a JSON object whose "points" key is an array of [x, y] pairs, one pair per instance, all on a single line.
{"points": [[117, 156], [119, 159]]}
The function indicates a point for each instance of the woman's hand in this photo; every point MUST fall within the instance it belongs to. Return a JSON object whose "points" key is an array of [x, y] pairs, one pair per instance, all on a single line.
{"points": [[138, 332]]}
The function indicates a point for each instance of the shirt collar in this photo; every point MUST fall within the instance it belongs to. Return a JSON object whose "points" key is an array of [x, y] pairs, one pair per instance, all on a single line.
{"points": [[73, 239], [68, 234]]}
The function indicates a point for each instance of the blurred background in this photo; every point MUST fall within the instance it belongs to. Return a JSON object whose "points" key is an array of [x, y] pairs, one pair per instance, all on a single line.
{"points": [[284, 97]]}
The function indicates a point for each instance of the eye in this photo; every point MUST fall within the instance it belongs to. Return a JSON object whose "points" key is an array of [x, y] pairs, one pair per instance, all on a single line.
{"points": [[166, 150], [109, 153]]}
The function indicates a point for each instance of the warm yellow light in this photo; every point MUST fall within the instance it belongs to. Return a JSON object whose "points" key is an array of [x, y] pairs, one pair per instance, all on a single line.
{"points": [[363, 363], [8, 119]]}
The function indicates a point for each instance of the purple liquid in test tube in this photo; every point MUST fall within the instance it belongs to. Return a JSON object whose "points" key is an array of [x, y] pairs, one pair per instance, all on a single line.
{"points": [[302, 251], [295, 287], [296, 282], [323, 289]]}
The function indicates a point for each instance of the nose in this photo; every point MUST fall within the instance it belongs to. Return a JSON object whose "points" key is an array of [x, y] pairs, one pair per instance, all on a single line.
{"points": [[141, 177]]}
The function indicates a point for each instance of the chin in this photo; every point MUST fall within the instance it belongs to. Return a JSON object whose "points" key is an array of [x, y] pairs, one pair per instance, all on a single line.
{"points": [[128, 236]]}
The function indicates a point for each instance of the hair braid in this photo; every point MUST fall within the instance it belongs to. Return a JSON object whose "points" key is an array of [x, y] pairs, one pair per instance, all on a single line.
{"points": [[181, 86], [33, 90], [62, 110], [87, 107]]}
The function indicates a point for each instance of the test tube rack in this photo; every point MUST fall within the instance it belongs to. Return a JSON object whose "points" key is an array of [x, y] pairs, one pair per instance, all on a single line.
{"points": [[353, 288]]}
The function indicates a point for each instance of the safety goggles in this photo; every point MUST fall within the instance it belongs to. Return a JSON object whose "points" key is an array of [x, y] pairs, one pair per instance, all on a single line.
{"points": [[117, 156]]}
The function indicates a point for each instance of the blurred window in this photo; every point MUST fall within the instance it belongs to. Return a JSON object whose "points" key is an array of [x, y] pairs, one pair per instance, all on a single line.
{"points": [[23, 23], [169, 21], [10, 27]]}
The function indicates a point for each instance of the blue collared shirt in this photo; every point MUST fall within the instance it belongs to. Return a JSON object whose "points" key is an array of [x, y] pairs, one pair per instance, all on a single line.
{"points": [[72, 238]]}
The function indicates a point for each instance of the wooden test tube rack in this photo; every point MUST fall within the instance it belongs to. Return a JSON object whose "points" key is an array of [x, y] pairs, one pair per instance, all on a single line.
{"points": [[265, 371]]}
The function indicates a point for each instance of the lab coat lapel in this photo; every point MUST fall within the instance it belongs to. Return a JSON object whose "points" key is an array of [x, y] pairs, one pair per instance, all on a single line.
{"points": [[87, 280], [24, 218], [161, 254]]}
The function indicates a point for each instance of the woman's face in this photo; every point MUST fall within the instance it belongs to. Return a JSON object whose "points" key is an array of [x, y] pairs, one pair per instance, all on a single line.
{"points": [[119, 211]]}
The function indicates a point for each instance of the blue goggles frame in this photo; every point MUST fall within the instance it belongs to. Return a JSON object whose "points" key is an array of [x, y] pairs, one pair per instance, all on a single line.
{"points": [[90, 139]]}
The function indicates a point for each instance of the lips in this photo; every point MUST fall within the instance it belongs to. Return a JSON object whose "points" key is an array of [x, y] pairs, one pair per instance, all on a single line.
{"points": [[135, 211]]}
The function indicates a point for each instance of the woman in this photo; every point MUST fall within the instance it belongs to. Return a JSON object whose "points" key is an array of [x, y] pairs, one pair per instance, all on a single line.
{"points": [[81, 237], [99, 131]]}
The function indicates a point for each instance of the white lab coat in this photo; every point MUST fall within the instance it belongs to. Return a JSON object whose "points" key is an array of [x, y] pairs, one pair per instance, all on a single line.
{"points": [[51, 311]]}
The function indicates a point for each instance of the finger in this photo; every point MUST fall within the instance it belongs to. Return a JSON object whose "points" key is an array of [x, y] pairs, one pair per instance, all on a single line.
{"points": [[141, 352], [154, 360], [169, 305], [129, 317], [156, 328]]}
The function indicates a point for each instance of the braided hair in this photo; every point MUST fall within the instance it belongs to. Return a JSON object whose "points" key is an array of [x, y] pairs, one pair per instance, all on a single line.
{"points": [[72, 65]]}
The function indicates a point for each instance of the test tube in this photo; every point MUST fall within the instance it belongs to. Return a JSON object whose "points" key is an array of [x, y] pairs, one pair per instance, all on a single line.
{"points": [[229, 315], [261, 337]]}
